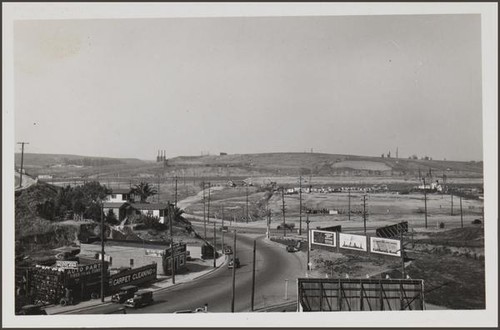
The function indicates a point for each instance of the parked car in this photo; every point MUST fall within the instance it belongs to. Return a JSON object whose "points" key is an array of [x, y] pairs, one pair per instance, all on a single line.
{"points": [[124, 294], [224, 229], [140, 299], [32, 310], [233, 262], [292, 248], [476, 222]]}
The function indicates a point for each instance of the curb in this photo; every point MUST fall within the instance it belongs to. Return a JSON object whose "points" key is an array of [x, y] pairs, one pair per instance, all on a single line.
{"points": [[154, 290]]}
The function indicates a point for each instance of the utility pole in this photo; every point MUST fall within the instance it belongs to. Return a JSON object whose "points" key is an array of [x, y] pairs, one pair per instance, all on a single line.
{"points": [[349, 204], [461, 214], [247, 203], [268, 233], [451, 205], [425, 203], [204, 215], [222, 228], [364, 212], [283, 209], [22, 161], [172, 255], [208, 205], [253, 274], [300, 205], [176, 191], [233, 291], [215, 249], [402, 253], [102, 253], [308, 242]]}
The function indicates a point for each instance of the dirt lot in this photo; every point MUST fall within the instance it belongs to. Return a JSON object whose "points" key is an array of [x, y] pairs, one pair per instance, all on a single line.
{"points": [[451, 262]]}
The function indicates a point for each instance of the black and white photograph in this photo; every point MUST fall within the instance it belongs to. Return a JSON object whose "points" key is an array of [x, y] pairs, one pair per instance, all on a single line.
{"points": [[239, 161]]}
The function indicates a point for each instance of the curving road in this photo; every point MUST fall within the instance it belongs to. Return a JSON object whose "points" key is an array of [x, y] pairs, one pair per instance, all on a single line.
{"points": [[274, 265]]}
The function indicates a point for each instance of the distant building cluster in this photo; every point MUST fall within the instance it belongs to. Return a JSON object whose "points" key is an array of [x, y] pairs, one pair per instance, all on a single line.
{"points": [[162, 156]]}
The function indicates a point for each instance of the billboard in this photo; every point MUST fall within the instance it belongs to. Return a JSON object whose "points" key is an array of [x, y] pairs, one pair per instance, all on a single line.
{"points": [[352, 242], [386, 246], [326, 238], [363, 294]]}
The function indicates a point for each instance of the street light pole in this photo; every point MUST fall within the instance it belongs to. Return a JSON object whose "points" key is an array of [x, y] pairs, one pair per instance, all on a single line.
{"points": [[308, 242], [102, 252], [300, 205], [253, 275], [233, 291], [172, 254], [215, 249]]}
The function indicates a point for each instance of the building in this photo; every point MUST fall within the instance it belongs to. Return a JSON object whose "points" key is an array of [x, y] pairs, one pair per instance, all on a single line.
{"points": [[122, 254], [159, 210], [119, 195]]}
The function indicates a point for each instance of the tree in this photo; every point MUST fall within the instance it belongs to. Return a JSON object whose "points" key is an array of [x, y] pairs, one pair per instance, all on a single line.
{"points": [[111, 218], [144, 190]]}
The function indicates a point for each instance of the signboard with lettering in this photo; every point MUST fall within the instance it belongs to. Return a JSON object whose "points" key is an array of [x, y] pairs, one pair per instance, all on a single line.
{"points": [[84, 270], [67, 263], [133, 277], [352, 242], [155, 253], [178, 249], [386, 246], [326, 238]]}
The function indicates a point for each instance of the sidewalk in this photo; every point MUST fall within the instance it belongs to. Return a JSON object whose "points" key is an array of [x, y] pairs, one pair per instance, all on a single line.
{"points": [[162, 283]]}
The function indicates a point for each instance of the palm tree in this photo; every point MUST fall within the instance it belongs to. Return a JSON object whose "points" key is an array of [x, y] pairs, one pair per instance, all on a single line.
{"points": [[144, 190]]}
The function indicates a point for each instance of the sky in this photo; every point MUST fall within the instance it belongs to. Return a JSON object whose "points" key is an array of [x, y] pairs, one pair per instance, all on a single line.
{"points": [[361, 85]]}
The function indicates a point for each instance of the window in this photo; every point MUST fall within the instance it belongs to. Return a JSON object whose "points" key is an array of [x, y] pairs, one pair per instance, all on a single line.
{"points": [[113, 196], [131, 262], [162, 213], [150, 212], [181, 260]]}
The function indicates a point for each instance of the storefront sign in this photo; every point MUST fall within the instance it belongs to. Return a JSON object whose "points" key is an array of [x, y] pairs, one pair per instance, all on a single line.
{"points": [[84, 270], [133, 276], [66, 263]]}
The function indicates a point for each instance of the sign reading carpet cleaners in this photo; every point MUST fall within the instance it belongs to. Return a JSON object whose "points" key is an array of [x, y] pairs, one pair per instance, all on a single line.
{"points": [[352, 242], [386, 246], [326, 238]]}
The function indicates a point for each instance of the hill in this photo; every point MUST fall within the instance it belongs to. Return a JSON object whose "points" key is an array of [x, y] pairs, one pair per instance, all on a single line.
{"points": [[63, 167], [323, 165]]}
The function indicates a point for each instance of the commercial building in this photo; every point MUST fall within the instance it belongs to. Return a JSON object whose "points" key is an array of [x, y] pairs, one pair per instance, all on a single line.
{"points": [[122, 254]]}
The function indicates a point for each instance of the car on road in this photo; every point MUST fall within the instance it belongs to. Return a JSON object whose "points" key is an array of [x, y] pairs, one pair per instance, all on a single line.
{"points": [[224, 229], [140, 299], [228, 250], [292, 248], [124, 294], [476, 222], [233, 262]]}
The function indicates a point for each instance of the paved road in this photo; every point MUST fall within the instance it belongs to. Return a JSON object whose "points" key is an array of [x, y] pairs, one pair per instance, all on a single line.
{"points": [[274, 265]]}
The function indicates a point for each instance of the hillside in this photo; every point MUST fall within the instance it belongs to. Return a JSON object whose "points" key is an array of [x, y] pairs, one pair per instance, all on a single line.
{"points": [[323, 165], [63, 167]]}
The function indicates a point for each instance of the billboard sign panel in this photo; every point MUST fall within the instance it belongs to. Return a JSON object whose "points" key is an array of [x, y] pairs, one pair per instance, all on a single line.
{"points": [[133, 276], [352, 242], [386, 246], [326, 238]]}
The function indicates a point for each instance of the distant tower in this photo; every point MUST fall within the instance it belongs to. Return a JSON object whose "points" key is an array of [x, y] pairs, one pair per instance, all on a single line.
{"points": [[158, 156], [389, 154], [397, 152]]}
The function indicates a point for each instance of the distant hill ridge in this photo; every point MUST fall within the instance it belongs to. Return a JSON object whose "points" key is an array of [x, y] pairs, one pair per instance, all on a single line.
{"points": [[264, 164]]}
